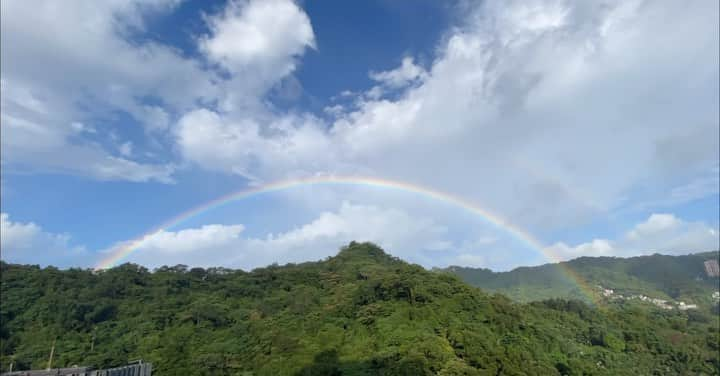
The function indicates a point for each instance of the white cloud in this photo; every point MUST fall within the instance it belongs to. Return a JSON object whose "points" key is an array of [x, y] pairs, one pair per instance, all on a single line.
{"points": [[335, 110], [218, 143], [155, 118], [67, 71], [86, 44], [656, 224], [212, 245], [399, 77], [36, 147], [126, 148], [56, 120], [661, 233], [113, 168], [209, 245], [28, 243], [470, 260], [80, 127], [257, 33], [590, 93], [258, 42], [598, 247]]}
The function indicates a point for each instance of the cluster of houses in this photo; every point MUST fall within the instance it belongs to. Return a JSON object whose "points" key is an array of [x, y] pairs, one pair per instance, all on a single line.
{"points": [[660, 303]]}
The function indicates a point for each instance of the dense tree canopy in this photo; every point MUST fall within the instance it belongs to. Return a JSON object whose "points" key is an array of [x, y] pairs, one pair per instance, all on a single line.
{"points": [[360, 312]]}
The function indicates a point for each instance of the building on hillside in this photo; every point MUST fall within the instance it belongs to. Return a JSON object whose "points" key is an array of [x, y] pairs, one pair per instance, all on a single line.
{"points": [[712, 269], [662, 303]]}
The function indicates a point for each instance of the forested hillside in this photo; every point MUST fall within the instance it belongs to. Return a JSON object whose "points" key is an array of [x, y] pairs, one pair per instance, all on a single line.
{"points": [[360, 312], [667, 277]]}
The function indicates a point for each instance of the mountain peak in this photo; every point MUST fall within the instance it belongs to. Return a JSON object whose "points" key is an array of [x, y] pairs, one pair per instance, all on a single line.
{"points": [[363, 251]]}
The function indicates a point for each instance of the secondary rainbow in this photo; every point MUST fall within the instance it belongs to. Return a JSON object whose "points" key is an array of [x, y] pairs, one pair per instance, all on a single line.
{"points": [[125, 249]]}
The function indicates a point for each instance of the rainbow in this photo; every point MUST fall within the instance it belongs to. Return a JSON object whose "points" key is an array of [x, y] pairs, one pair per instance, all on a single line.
{"points": [[123, 250]]}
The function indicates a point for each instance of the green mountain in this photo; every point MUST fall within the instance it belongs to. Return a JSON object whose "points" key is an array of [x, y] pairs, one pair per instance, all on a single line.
{"points": [[361, 312], [678, 278]]}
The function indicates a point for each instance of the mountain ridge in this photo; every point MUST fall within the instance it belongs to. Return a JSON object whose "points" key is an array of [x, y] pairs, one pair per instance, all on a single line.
{"points": [[360, 312], [667, 276]]}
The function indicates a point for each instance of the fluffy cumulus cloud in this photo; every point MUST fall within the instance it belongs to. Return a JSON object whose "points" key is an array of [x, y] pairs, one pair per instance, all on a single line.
{"points": [[405, 74], [547, 111], [67, 67], [211, 245], [28, 243], [661, 233], [62, 91], [259, 38], [258, 43], [218, 143]]}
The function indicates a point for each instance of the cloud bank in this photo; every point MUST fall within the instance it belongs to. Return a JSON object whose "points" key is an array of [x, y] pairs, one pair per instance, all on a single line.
{"points": [[551, 111], [28, 243], [660, 233]]}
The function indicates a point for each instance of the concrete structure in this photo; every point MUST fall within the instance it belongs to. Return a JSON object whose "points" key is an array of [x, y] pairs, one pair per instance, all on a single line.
{"points": [[138, 369], [712, 268]]}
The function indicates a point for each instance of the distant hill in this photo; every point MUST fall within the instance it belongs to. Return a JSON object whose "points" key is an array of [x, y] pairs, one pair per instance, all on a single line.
{"points": [[361, 312], [681, 278]]}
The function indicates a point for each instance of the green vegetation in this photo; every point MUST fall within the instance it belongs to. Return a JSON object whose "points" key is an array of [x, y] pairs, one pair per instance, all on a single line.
{"points": [[360, 312], [659, 276]]}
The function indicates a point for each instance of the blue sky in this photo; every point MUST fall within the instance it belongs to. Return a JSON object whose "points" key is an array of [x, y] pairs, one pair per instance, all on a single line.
{"points": [[591, 127]]}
